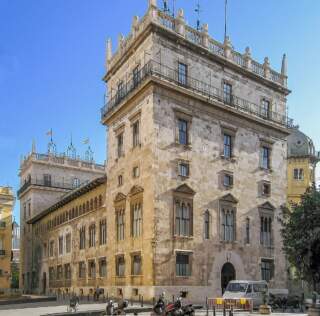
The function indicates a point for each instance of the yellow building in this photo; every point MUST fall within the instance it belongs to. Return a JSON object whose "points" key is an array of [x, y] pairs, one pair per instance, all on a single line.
{"points": [[6, 207], [302, 160]]}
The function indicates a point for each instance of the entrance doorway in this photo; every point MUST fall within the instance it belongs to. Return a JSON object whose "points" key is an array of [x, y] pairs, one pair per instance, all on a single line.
{"points": [[44, 282], [228, 273]]}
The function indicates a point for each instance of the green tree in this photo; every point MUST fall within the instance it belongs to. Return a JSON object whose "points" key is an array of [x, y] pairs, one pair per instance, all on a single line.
{"points": [[301, 237]]}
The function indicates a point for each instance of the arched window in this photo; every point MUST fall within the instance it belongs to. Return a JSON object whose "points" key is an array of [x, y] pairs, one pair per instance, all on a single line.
{"points": [[183, 222]]}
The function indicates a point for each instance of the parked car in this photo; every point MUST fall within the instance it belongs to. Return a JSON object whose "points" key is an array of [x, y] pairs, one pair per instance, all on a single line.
{"points": [[254, 290]]}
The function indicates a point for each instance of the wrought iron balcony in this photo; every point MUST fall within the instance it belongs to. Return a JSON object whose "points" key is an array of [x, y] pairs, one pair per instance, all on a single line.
{"points": [[155, 70], [44, 183]]}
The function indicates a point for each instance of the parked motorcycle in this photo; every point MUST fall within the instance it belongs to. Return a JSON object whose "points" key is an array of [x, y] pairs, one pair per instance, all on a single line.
{"points": [[177, 309], [160, 307], [116, 309]]}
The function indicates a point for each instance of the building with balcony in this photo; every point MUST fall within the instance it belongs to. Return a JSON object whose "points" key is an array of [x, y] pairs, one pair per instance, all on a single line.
{"points": [[302, 162], [44, 180], [197, 167], [6, 208]]}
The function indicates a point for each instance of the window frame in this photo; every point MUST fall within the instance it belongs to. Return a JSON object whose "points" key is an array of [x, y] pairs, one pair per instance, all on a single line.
{"points": [[227, 92], [183, 269], [182, 74]]}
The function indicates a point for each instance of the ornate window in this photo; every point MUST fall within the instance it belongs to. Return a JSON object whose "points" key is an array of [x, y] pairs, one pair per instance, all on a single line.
{"points": [[266, 224], [59, 272], [136, 215], [82, 237], [67, 271], [103, 267], [183, 132], [82, 269], [136, 75], [92, 269], [120, 221], [265, 153], [68, 243], [136, 264], [227, 145], [103, 232], [60, 245], [183, 211], [265, 108], [136, 134], [92, 235], [228, 218], [120, 266]]}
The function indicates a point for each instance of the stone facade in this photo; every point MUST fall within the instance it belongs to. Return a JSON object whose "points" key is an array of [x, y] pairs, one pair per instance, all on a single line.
{"points": [[6, 207], [207, 156], [44, 179]]}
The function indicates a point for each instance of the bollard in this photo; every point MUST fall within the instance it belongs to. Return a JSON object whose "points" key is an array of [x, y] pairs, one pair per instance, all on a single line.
{"points": [[131, 301], [231, 311], [172, 298], [224, 309], [214, 310], [153, 301], [141, 300]]}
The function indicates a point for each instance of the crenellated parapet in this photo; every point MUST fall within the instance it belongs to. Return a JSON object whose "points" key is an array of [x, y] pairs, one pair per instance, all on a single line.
{"points": [[177, 25]]}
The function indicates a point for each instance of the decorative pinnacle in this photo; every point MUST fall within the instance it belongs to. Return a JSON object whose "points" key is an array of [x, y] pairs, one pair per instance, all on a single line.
{"points": [[152, 3], [180, 14], [266, 62], [109, 50], [120, 40], [227, 42], [248, 51], [284, 66], [33, 150], [205, 28], [135, 21]]}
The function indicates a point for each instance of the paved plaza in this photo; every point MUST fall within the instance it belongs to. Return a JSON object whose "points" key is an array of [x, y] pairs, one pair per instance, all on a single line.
{"points": [[37, 309]]}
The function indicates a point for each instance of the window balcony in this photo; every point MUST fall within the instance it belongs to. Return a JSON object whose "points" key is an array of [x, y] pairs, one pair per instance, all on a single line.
{"points": [[213, 95], [44, 183]]}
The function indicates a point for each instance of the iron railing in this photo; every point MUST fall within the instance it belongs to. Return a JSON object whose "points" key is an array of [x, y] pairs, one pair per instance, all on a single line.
{"points": [[212, 93]]}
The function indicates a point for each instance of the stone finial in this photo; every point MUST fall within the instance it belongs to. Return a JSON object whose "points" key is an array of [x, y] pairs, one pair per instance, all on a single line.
{"points": [[205, 36], [284, 66], [33, 149], [152, 3], [227, 47], [266, 67], [109, 50], [180, 25], [120, 41], [180, 14], [247, 52], [135, 21], [247, 57], [205, 28]]}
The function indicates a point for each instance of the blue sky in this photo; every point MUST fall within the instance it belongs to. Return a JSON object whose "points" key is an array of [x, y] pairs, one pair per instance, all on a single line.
{"points": [[52, 56]]}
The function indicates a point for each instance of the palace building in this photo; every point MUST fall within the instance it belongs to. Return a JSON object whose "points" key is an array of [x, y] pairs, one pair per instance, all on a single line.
{"points": [[196, 174], [197, 167]]}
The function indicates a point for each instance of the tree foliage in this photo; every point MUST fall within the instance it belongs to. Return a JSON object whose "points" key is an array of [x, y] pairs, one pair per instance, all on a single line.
{"points": [[301, 236]]}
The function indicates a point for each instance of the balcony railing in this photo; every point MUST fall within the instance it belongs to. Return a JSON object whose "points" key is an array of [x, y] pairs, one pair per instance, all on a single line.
{"points": [[210, 92], [44, 183]]}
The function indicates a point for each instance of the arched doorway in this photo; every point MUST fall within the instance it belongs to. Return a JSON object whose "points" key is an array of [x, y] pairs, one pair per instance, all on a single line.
{"points": [[228, 273]]}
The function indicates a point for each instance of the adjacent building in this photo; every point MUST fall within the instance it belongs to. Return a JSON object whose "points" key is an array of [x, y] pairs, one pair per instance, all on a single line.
{"points": [[6, 208], [44, 180], [302, 161]]}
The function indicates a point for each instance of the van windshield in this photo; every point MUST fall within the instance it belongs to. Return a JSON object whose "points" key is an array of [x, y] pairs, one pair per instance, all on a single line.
{"points": [[237, 287]]}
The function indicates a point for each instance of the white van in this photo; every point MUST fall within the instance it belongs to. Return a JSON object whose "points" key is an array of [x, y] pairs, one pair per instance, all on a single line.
{"points": [[254, 290]]}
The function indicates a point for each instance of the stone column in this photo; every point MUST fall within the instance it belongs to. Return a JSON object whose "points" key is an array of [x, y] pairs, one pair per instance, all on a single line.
{"points": [[247, 58], [266, 68], [205, 35], [180, 23]]}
